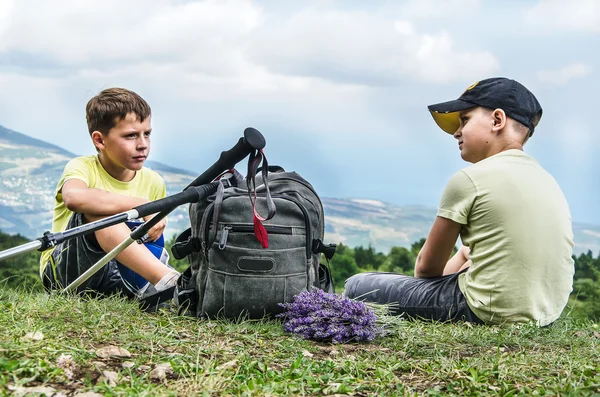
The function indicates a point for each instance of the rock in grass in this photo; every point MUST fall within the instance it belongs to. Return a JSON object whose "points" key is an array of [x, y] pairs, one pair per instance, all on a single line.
{"points": [[160, 372], [27, 391], [112, 352], [127, 364], [99, 365], [110, 377], [35, 336]]}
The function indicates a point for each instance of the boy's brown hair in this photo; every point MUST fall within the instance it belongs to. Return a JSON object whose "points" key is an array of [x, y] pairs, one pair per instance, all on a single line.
{"points": [[103, 111]]}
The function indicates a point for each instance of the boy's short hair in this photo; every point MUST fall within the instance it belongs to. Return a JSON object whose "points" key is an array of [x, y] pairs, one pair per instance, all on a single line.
{"points": [[112, 104]]}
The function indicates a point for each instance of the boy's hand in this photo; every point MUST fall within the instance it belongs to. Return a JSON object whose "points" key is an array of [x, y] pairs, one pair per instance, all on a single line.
{"points": [[157, 230], [466, 251]]}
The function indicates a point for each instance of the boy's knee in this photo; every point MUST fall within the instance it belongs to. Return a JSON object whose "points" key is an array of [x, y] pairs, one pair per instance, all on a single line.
{"points": [[353, 283], [110, 235]]}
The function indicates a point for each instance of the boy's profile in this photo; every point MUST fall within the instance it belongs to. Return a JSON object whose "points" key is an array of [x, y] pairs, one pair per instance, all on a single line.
{"points": [[110, 182], [516, 263]]}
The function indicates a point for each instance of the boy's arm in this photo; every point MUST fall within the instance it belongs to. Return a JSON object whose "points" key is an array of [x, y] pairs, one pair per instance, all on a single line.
{"points": [[437, 249], [78, 197]]}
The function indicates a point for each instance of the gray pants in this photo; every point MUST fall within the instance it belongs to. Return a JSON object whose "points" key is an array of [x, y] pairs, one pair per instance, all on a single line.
{"points": [[437, 298], [73, 257]]}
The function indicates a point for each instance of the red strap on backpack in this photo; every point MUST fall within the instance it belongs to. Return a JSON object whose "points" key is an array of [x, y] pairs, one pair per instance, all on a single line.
{"points": [[254, 161]]}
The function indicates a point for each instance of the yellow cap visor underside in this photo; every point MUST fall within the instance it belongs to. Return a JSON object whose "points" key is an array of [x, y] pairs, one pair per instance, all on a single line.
{"points": [[448, 122]]}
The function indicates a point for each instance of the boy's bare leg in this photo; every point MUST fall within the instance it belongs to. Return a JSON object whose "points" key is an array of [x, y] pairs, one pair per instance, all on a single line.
{"points": [[458, 262], [136, 257]]}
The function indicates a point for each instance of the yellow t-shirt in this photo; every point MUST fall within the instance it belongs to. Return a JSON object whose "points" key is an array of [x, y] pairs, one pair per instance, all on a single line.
{"points": [[517, 224], [146, 183]]}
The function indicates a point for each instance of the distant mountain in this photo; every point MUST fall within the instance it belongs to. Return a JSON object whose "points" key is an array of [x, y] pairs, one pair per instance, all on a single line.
{"points": [[16, 138], [30, 168]]}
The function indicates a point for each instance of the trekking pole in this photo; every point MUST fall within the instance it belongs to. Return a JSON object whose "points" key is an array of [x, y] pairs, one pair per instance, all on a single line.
{"points": [[49, 240], [252, 140], [190, 195]]}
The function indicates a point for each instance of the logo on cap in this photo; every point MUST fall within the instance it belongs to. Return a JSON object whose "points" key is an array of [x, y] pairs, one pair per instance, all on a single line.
{"points": [[469, 88], [472, 86]]}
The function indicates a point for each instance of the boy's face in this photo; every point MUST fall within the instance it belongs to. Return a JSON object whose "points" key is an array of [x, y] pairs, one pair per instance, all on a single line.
{"points": [[473, 134], [126, 146]]}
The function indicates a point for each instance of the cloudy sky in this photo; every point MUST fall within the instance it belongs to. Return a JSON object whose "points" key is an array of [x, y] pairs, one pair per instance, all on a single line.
{"points": [[339, 89]]}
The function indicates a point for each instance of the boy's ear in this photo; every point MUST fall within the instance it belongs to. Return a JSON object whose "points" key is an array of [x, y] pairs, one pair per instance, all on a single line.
{"points": [[98, 139], [499, 119]]}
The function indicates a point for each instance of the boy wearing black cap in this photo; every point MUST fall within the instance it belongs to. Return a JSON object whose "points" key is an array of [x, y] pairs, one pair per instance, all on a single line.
{"points": [[513, 219]]}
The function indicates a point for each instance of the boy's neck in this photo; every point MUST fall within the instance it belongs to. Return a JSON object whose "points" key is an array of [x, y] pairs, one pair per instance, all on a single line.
{"points": [[509, 146], [119, 173], [502, 147]]}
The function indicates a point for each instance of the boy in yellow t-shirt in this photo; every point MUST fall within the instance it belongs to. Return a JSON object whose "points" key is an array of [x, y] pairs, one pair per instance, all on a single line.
{"points": [[516, 263], [110, 182]]}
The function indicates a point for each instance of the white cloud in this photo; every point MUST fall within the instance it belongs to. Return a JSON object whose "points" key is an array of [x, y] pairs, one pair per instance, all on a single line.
{"points": [[573, 15], [565, 74], [202, 53], [366, 48], [6, 9], [436, 9], [235, 39], [208, 36], [192, 50], [321, 79]]}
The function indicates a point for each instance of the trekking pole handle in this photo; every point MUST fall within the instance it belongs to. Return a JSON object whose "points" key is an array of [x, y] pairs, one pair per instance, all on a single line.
{"points": [[252, 140], [164, 206], [190, 195]]}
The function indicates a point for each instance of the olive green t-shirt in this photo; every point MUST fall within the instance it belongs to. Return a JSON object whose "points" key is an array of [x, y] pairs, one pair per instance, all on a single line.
{"points": [[146, 184], [517, 224]]}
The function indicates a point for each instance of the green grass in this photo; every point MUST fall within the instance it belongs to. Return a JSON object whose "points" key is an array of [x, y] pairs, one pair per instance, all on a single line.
{"points": [[259, 359]]}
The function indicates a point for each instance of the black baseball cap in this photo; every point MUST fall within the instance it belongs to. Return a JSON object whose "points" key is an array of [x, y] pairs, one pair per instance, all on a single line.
{"points": [[498, 92]]}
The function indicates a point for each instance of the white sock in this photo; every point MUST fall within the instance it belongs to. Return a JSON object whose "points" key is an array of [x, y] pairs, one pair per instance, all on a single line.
{"points": [[169, 280]]}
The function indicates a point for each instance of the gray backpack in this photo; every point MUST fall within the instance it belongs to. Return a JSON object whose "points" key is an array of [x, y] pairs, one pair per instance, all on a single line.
{"points": [[243, 265]]}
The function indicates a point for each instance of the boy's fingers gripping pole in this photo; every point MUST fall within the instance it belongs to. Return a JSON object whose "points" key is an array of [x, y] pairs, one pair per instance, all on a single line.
{"points": [[195, 191]]}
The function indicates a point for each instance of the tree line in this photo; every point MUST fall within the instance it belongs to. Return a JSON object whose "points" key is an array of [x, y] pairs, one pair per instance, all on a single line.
{"points": [[23, 270]]}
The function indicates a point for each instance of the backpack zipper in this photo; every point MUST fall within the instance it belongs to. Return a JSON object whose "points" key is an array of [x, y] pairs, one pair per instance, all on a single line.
{"points": [[304, 212], [250, 229]]}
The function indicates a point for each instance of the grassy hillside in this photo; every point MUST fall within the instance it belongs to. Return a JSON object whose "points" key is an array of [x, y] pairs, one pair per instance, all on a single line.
{"points": [[259, 358]]}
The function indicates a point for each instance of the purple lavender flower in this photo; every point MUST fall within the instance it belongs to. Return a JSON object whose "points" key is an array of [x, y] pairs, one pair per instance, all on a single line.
{"points": [[66, 363], [326, 317]]}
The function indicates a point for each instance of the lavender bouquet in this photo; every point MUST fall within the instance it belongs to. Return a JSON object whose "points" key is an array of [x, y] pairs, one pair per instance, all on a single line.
{"points": [[326, 317]]}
